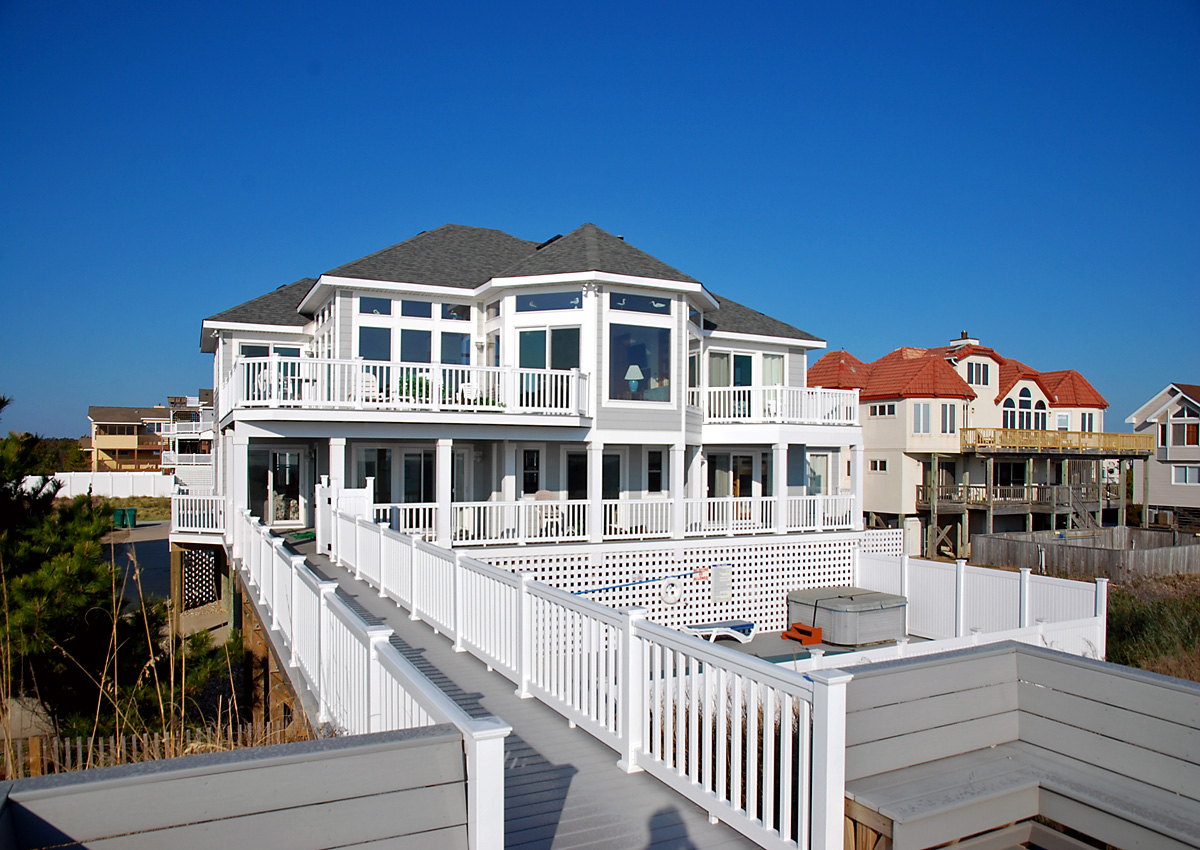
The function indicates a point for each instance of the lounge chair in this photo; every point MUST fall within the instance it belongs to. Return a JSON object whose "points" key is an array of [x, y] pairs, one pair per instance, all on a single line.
{"points": [[740, 630]]}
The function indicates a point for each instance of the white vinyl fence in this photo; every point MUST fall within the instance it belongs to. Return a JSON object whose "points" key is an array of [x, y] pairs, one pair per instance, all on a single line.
{"points": [[353, 676], [115, 485], [759, 748]]}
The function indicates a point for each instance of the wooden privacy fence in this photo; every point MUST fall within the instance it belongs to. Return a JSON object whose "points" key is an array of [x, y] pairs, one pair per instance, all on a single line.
{"points": [[41, 755], [1120, 554]]}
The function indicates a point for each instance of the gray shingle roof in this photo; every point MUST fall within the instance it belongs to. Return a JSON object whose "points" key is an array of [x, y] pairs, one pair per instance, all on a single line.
{"points": [[277, 307], [733, 317], [130, 415], [588, 249], [451, 255]]}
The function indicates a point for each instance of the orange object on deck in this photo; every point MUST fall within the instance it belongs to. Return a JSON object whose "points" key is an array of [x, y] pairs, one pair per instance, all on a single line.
{"points": [[804, 633]]}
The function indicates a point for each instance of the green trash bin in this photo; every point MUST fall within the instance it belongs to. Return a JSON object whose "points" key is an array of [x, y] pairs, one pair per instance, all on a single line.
{"points": [[131, 517], [119, 518]]}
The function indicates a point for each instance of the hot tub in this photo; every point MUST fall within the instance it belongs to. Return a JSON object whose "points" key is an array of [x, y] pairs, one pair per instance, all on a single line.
{"points": [[849, 616]]}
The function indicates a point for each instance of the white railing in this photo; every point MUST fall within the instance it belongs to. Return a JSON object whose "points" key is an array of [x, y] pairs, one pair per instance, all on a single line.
{"points": [[179, 429], [953, 600], [184, 459], [790, 405], [693, 714], [487, 523], [637, 518], [730, 515], [198, 514], [353, 676], [310, 383], [419, 518]]}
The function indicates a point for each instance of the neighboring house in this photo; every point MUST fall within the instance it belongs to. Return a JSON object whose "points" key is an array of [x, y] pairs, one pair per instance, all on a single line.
{"points": [[498, 390], [1169, 481], [187, 440], [126, 439], [1014, 449]]}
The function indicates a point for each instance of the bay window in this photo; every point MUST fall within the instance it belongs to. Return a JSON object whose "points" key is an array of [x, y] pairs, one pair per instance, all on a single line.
{"points": [[639, 363]]}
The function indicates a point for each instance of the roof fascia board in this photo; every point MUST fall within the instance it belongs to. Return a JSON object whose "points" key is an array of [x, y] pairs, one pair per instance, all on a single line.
{"points": [[334, 282], [1136, 416], [730, 336], [256, 328], [594, 277]]}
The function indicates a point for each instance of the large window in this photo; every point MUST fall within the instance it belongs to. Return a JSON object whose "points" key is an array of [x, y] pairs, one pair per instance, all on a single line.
{"points": [[1039, 416], [456, 349], [772, 367], [456, 312], [1024, 409], [416, 309], [921, 418], [1010, 413], [415, 346], [948, 414], [639, 303], [536, 301], [375, 306], [639, 363], [1185, 433], [557, 348], [977, 374], [375, 343]]}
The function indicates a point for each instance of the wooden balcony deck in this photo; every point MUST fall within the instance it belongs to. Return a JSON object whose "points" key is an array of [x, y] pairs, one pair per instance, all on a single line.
{"points": [[1021, 440], [562, 787]]}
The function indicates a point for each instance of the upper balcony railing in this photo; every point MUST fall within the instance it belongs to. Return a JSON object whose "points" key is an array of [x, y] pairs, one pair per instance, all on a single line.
{"points": [[1035, 494], [183, 429], [321, 384], [1028, 439], [185, 459], [784, 405]]}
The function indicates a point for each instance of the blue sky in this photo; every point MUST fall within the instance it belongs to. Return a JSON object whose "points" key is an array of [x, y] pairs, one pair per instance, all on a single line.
{"points": [[878, 174]]}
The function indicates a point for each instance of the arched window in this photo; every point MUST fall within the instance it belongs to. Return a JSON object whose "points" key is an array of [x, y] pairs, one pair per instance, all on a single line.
{"points": [[1039, 416], [1025, 415], [1010, 413]]}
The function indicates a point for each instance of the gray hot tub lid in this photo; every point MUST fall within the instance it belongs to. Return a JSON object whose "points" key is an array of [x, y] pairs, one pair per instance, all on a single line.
{"points": [[849, 599]]}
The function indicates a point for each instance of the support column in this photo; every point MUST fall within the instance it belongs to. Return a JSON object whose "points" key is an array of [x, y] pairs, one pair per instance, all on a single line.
{"points": [[964, 535], [1029, 494], [1121, 511], [443, 468], [856, 485], [1146, 492], [595, 486], [508, 480], [239, 485], [779, 471], [337, 462], [678, 483], [931, 546], [989, 483]]}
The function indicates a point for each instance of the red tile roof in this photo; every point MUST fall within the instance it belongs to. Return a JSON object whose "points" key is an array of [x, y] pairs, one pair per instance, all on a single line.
{"points": [[839, 369], [927, 373]]}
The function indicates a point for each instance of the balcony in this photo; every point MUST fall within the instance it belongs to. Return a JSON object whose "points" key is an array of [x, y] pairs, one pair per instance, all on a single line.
{"points": [[1013, 440], [978, 496], [321, 384], [186, 429], [566, 521], [185, 459], [777, 405]]}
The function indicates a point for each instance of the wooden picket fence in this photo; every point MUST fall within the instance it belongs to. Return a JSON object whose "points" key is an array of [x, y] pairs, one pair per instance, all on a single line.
{"points": [[38, 756]]}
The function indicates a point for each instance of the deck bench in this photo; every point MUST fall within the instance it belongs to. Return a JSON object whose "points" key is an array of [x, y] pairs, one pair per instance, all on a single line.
{"points": [[945, 747]]}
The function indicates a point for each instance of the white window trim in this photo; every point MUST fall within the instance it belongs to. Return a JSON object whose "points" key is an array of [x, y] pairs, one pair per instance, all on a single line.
{"points": [[645, 320], [521, 448]]}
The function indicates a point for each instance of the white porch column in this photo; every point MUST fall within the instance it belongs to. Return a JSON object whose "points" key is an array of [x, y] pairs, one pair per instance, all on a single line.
{"points": [[678, 494], [337, 462], [803, 469], [508, 481], [779, 461], [443, 467], [595, 489], [695, 473], [239, 480], [856, 485]]}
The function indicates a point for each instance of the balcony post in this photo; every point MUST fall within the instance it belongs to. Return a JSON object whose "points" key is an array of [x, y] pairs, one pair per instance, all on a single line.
{"points": [[633, 690], [829, 756], [856, 486], [443, 465], [524, 663], [1023, 614], [960, 598], [337, 462], [595, 486], [779, 453], [678, 478]]}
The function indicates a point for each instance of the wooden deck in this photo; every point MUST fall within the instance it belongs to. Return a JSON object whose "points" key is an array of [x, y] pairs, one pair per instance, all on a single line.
{"points": [[562, 787]]}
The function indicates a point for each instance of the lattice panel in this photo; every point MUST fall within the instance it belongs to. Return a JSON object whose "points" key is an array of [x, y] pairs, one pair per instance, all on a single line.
{"points": [[884, 541], [199, 577], [762, 575]]}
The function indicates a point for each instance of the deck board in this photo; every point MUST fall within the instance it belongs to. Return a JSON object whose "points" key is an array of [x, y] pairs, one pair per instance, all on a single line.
{"points": [[562, 787]]}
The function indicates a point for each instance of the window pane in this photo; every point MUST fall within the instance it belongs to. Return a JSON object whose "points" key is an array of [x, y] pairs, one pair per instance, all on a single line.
{"points": [[415, 346], [287, 351], [456, 312], [417, 309], [564, 348], [375, 306], [639, 363], [718, 476], [639, 303], [743, 370], [531, 478], [493, 310], [532, 350], [610, 477], [375, 343], [456, 349], [773, 370], [536, 301], [654, 471], [718, 370], [255, 350]]}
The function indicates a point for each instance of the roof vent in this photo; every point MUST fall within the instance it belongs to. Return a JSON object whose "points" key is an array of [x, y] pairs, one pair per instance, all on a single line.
{"points": [[619, 236]]}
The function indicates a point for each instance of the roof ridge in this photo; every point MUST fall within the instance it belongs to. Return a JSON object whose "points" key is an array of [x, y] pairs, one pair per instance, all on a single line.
{"points": [[591, 246]]}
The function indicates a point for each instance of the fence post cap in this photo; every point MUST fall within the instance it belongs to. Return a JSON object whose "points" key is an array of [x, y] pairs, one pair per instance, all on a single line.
{"points": [[832, 676], [488, 727], [635, 612]]}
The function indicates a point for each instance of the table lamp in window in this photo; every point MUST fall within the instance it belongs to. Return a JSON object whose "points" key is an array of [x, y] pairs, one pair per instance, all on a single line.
{"points": [[634, 374]]}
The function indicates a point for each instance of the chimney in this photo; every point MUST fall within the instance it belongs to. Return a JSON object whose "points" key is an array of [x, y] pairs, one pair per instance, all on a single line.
{"points": [[962, 340]]}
